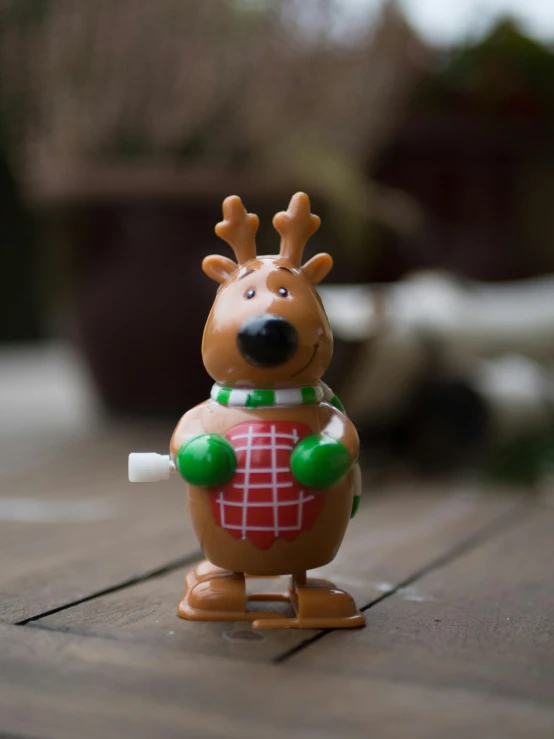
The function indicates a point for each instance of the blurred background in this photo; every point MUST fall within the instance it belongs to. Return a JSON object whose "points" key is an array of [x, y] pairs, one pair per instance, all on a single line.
{"points": [[422, 131]]}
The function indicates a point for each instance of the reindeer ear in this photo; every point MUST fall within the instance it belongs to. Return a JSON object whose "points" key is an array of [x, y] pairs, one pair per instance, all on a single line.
{"points": [[317, 268], [219, 268]]}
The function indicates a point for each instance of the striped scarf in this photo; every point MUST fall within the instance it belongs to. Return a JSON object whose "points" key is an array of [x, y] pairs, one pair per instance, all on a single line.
{"points": [[274, 398]]}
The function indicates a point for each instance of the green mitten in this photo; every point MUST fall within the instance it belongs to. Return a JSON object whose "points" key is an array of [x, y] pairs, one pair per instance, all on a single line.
{"points": [[319, 462], [206, 461]]}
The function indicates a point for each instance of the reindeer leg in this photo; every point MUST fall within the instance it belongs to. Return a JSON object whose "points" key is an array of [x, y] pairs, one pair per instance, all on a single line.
{"points": [[318, 604], [215, 594]]}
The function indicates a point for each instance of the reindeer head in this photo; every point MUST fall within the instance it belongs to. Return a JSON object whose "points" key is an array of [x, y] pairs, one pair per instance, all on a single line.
{"points": [[267, 327]]}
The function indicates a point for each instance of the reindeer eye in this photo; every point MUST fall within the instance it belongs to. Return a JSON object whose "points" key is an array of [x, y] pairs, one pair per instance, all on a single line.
{"points": [[250, 294], [283, 292]]}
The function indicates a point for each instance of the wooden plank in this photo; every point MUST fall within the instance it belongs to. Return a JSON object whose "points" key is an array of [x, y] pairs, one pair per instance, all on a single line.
{"points": [[71, 524], [485, 621], [392, 537], [412, 524], [56, 685]]}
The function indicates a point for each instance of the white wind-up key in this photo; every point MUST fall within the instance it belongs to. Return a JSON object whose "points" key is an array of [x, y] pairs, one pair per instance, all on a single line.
{"points": [[150, 467]]}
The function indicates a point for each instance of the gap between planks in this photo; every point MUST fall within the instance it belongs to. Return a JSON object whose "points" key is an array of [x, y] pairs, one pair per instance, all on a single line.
{"points": [[501, 524], [158, 572]]}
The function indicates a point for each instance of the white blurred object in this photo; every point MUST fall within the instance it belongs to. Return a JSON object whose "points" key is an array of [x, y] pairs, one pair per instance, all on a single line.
{"points": [[519, 393], [499, 337], [381, 379], [351, 310], [481, 319], [45, 390], [150, 467]]}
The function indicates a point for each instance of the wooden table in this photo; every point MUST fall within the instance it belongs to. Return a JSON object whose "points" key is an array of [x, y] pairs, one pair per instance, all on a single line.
{"points": [[456, 582]]}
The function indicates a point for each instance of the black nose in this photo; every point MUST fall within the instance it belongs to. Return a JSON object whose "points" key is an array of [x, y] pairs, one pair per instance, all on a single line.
{"points": [[267, 340]]}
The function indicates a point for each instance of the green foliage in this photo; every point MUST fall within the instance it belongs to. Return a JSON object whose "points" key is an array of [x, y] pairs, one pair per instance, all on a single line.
{"points": [[524, 461], [24, 13], [19, 311], [506, 71]]}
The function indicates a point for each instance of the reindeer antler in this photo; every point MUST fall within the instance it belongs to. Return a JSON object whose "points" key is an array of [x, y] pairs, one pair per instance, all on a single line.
{"points": [[238, 228], [296, 225]]}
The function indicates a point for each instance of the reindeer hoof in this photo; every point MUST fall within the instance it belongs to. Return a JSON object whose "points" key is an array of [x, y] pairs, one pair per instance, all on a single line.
{"points": [[220, 598]]}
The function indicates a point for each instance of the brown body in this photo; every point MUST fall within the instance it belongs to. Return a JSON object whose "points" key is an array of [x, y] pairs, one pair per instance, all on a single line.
{"points": [[313, 548], [274, 290]]}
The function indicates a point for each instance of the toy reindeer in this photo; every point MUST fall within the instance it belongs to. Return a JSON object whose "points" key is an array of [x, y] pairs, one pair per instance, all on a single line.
{"points": [[270, 459]]}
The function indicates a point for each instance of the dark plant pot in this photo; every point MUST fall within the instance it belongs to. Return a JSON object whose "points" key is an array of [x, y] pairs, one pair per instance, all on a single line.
{"points": [[141, 301]]}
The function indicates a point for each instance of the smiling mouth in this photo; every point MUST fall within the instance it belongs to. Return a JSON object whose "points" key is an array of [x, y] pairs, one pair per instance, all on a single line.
{"points": [[311, 359]]}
